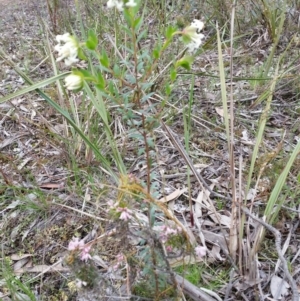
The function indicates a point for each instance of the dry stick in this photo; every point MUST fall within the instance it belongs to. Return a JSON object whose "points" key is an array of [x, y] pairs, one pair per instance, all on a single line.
{"points": [[199, 178], [277, 235], [246, 210], [229, 285], [192, 291], [233, 230], [188, 161]]}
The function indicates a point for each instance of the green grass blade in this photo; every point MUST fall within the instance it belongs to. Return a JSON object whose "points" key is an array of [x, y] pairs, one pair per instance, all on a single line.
{"points": [[99, 105], [279, 185], [223, 87], [34, 87], [105, 163], [261, 129]]}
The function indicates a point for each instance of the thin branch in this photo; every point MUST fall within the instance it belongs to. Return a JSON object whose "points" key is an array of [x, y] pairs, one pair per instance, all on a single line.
{"points": [[229, 285], [277, 235], [188, 161], [192, 291]]}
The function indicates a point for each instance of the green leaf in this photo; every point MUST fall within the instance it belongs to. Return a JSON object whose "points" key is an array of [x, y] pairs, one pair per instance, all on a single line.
{"points": [[185, 62], [81, 54], [150, 142], [152, 215], [141, 151], [156, 53], [101, 82], [271, 204], [117, 70], [104, 60], [137, 23], [111, 88], [168, 89], [169, 32], [146, 97], [92, 40], [186, 39], [34, 87], [173, 74], [142, 35], [157, 49], [128, 17], [83, 72]]}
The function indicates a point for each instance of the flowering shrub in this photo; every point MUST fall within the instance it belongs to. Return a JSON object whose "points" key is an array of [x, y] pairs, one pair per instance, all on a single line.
{"points": [[164, 241], [126, 213], [128, 85], [78, 245]]}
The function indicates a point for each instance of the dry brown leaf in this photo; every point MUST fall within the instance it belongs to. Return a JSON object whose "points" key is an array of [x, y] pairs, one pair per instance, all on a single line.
{"points": [[100, 262], [217, 239], [199, 202], [23, 163], [220, 111], [172, 196], [251, 194], [52, 185], [278, 287], [10, 140], [21, 264], [215, 253], [23, 108], [245, 138], [197, 210], [16, 257], [43, 268], [33, 114], [30, 227], [4, 297], [183, 260], [221, 219]]}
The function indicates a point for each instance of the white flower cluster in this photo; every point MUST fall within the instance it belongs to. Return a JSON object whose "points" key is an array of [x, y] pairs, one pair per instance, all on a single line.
{"points": [[67, 49], [73, 82], [193, 32], [119, 4]]}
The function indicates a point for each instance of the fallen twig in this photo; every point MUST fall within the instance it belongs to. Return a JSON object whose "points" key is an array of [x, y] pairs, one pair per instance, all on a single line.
{"points": [[277, 235], [191, 290]]}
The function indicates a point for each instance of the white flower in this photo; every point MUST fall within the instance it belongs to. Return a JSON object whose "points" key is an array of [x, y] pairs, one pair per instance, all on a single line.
{"points": [[67, 49], [200, 251], [194, 35], [197, 24], [80, 283], [73, 82], [115, 3], [130, 3]]}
